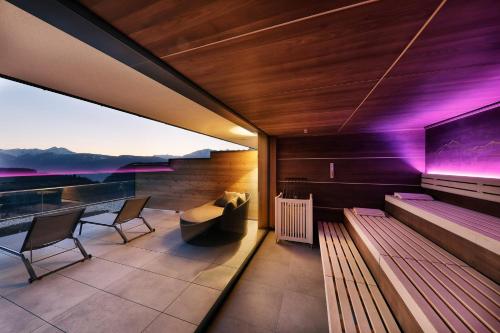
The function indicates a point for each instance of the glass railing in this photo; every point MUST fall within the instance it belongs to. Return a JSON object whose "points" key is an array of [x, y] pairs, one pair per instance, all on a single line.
{"points": [[20, 206]]}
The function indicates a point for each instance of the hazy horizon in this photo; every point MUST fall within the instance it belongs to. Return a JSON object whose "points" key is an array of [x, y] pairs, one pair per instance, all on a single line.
{"points": [[33, 118], [1, 148]]}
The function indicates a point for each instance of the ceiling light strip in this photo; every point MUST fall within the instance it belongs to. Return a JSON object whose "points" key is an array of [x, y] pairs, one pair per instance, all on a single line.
{"points": [[427, 22], [305, 18]]}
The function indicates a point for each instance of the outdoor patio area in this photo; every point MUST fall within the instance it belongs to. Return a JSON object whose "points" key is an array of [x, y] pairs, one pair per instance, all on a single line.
{"points": [[156, 283]]}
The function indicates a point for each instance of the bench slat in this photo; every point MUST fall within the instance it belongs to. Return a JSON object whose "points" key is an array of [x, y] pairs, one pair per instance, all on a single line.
{"points": [[332, 306], [345, 307], [354, 302], [325, 258], [337, 272], [451, 320], [340, 254], [448, 298], [479, 310]]}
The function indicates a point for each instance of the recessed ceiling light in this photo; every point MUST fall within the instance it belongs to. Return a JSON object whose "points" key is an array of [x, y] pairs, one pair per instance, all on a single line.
{"points": [[242, 131]]}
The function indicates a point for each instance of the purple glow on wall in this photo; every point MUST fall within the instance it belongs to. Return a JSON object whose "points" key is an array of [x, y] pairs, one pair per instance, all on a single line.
{"points": [[466, 147], [83, 172], [409, 145]]}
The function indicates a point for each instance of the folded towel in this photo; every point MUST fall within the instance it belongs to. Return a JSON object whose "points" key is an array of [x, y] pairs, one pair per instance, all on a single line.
{"points": [[413, 196], [368, 212]]}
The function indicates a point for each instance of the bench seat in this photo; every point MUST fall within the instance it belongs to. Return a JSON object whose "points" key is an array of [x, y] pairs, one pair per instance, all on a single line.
{"points": [[469, 235], [353, 299], [428, 289]]}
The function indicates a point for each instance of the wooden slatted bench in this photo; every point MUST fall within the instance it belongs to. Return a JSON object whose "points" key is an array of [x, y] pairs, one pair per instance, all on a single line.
{"points": [[354, 301], [427, 288], [469, 235]]}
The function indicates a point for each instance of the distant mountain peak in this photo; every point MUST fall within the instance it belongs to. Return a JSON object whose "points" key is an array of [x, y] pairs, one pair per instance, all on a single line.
{"points": [[59, 150]]}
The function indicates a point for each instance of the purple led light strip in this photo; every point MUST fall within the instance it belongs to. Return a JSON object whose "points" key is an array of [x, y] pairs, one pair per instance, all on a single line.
{"points": [[82, 172]]}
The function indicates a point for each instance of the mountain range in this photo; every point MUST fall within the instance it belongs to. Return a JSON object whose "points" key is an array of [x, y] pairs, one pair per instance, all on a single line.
{"points": [[59, 158]]}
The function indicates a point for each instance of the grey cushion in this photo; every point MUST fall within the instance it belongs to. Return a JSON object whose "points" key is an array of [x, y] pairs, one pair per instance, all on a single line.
{"points": [[202, 213]]}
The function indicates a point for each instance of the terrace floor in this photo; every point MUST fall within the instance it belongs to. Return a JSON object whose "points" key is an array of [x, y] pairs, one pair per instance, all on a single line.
{"points": [[156, 283]]}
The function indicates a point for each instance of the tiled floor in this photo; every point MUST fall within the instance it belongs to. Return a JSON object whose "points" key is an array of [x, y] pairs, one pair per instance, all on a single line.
{"points": [[282, 290], [156, 283]]}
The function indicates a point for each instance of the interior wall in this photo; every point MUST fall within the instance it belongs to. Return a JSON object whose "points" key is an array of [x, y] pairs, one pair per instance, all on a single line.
{"points": [[366, 167], [197, 181], [467, 146]]}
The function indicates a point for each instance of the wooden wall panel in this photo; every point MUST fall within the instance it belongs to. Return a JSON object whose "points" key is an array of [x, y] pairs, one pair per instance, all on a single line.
{"points": [[367, 167], [263, 180], [197, 181]]}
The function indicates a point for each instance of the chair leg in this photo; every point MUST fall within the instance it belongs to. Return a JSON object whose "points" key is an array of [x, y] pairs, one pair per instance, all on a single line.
{"points": [[81, 248], [122, 234], [29, 268], [81, 226], [151, 229]]}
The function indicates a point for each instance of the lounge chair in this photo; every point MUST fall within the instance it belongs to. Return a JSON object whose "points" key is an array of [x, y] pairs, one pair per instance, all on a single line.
{"points": [[200, 220], [45, 231], [131, 210]]}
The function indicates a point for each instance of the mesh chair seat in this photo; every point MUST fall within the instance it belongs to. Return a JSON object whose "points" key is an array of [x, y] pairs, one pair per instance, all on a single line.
{"points": [[131, 210], [45, 231]]}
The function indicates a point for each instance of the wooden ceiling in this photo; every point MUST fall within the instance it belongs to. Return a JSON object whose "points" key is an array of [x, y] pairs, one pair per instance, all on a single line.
{"points": [[325, 66]]}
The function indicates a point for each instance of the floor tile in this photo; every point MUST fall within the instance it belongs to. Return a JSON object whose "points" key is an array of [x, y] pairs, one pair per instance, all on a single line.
{"points": [[51, 296], [97, 272], [176, 267], [60, 259], [253, 303], [215, 276], [129, 255], [162, 241], [104, 312], [149, 289], [301, 313], [48, 328], [13, 274], [269, 272], [14, 241], [228, 324], [305, 281], [99, 247], [168, 324], [202, 253], [193, 304], [14, 319]]}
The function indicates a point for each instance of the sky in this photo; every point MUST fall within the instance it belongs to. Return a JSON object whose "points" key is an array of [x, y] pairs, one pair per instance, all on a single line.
{"points": [[35, 118]]}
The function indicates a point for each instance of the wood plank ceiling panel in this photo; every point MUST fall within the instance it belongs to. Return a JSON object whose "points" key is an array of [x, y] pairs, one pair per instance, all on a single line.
{"points": [[452, 68], [167, 27], [310, 73], [347, 48]]}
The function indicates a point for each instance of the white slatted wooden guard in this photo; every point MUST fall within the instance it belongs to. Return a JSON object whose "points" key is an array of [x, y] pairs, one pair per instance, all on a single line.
{"points": [[294, 219], [481, 188]]}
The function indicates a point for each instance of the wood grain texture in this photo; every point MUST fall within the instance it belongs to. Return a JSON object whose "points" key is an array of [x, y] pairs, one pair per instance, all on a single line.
{"points": [[476, 256], [306, 56], [307, 74], [197, 181], [166, 27], [263, 180], [427, 288], [402, 144], [367, 166], [452, 68], [312, 73]]}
